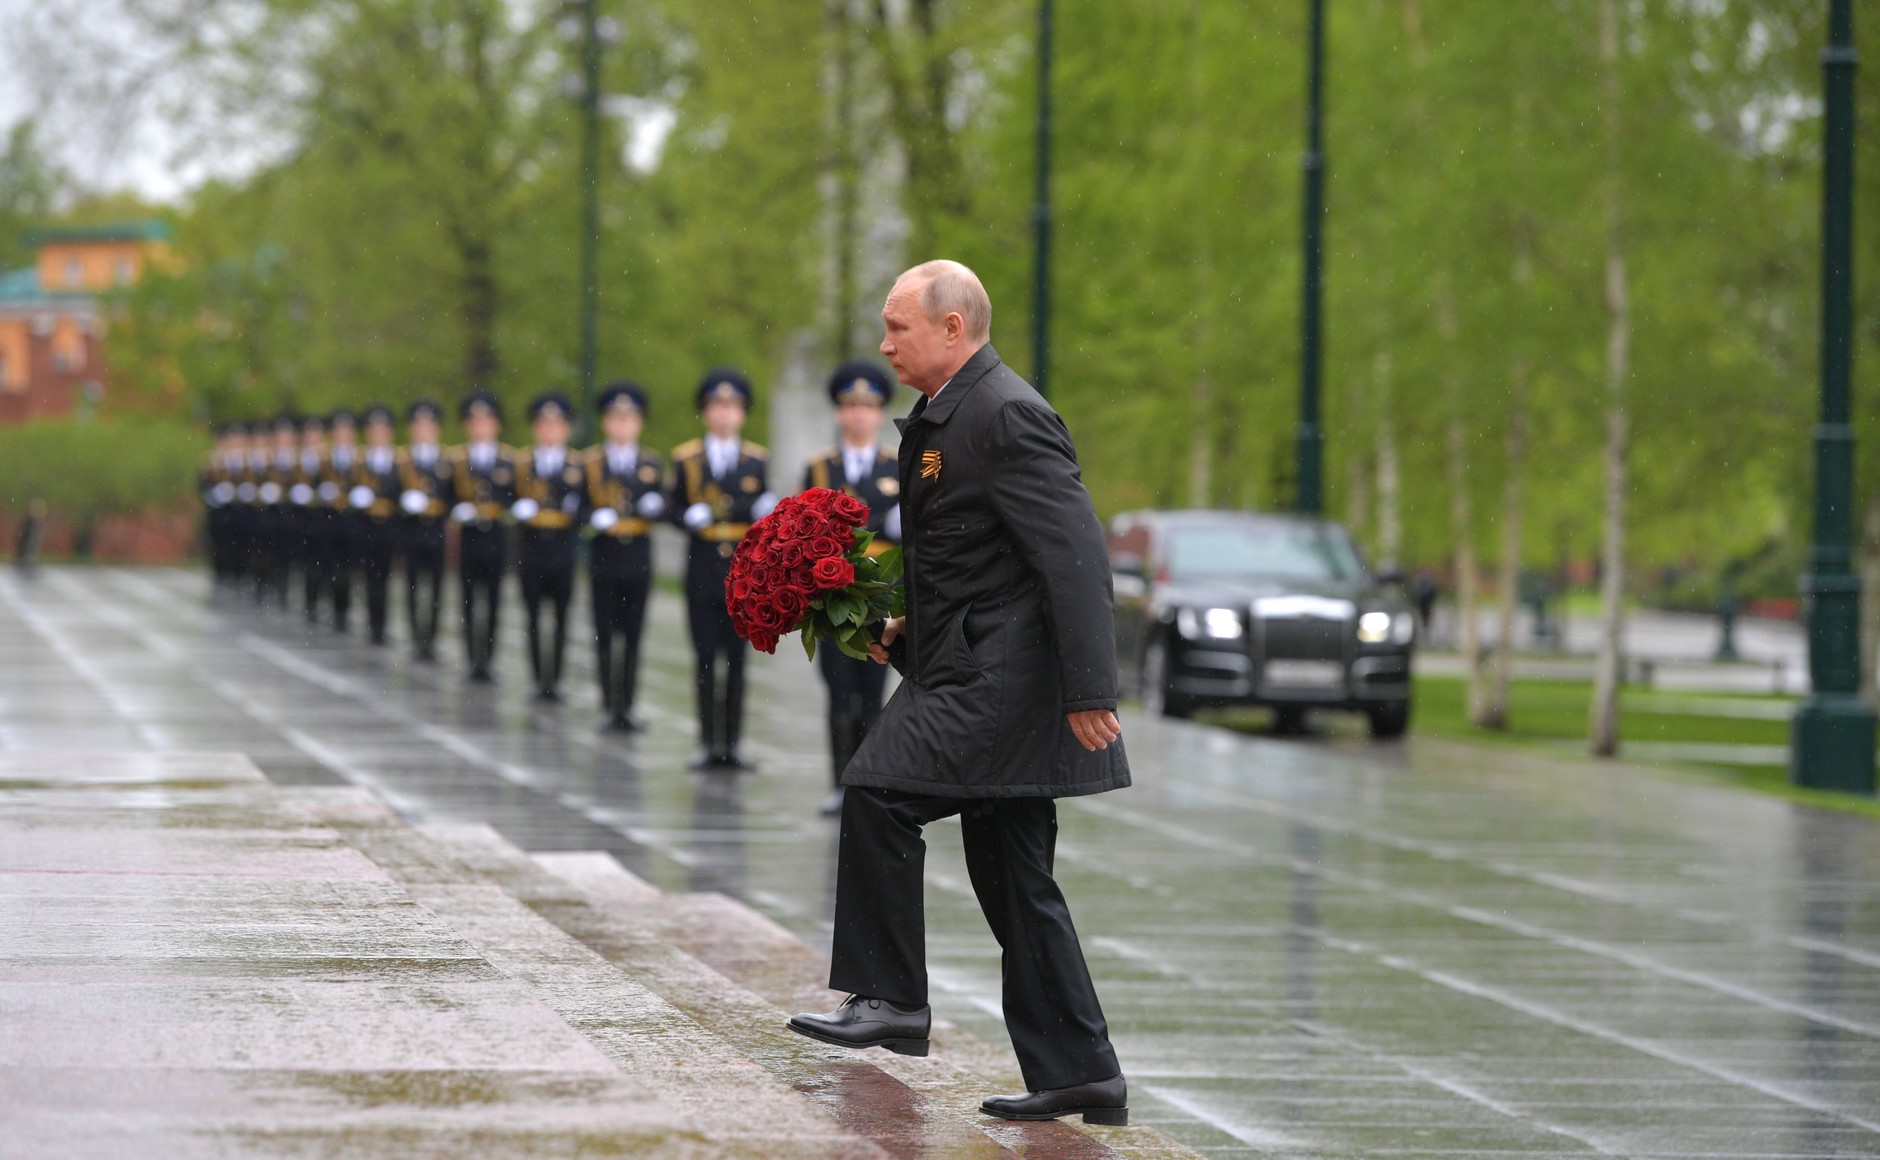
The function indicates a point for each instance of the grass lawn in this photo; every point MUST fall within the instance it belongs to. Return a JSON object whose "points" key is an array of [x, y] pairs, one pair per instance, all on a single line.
{"points": [[1550, 717]]}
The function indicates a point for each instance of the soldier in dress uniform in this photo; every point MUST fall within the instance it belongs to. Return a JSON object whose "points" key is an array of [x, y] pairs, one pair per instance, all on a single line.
{"points": [[551, 487], [372, 493], [425, 478], [719, 487], [253, 515], [483, 486], [280, 530], [310, 515], [342, 522], [624, 491], [858, 466], [216, 484]]}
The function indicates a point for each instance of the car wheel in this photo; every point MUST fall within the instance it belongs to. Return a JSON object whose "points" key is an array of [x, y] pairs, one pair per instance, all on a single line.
{"points": [[1156, 697], [1388, 722]]}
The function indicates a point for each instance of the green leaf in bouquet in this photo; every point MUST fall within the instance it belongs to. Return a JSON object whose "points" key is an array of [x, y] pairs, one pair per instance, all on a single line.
{"points": [[859, 549], [854, 643], [809, 638], [888, 565]]}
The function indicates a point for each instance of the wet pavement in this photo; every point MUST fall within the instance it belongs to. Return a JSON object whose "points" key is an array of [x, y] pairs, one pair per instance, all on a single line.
{"points": [[1314, 949]]}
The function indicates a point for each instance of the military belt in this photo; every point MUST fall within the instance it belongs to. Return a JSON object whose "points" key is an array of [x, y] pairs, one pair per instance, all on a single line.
{"points": [[630, 527], [723, 533]]}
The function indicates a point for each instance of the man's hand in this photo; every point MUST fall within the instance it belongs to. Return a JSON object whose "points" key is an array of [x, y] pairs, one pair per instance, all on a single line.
{"points": [[1095, 728], [890, 629]]}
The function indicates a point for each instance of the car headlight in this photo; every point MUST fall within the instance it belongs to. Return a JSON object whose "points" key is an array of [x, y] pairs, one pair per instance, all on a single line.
{"points": [[1378, 627], [1210, 624]]}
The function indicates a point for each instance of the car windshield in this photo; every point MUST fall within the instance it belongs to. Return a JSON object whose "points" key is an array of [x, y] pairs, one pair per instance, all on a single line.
{"points": [[1262, 551]]}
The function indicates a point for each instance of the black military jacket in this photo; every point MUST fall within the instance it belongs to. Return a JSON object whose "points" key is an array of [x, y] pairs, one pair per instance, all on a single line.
{"points": [[385, 486], [490, 490], [621, 495], [1009, 618], [731, 497], [880, 490], [426, 489], [560, 498]]}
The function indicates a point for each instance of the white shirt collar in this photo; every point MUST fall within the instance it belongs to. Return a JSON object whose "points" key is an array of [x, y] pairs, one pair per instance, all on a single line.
{"points": [[621, 457], [482, 454], [857, 461], [550, 458], [722, 453], [424, 453]]}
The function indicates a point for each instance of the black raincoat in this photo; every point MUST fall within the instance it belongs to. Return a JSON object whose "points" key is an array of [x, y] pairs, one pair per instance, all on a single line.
{"points": [[1009, 617]]}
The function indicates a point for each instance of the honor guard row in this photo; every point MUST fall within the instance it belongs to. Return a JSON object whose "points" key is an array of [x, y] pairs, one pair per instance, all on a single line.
{"points": [[327, 501]]}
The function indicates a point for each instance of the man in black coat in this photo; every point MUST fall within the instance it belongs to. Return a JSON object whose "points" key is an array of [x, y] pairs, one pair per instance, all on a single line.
{"points": [[1009, 702], [483, 485], [551, 486], [372, 493]]}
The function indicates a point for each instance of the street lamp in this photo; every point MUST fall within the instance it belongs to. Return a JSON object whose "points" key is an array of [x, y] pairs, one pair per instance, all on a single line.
{"points": [[1307, 495], [1041, 213], [1832, 741], [584, 21]]}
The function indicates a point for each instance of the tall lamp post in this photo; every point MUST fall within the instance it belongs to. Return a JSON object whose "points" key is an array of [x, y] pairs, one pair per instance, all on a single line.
{"points": [[1832, 742], [594, 31], [1308, 496], [1041, 214]]}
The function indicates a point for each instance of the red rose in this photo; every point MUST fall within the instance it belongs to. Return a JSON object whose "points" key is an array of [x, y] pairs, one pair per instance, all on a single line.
{"points": [[792, 603], [822, 547], [766, 616], [834, 572], [820, 498], [850, 510]]}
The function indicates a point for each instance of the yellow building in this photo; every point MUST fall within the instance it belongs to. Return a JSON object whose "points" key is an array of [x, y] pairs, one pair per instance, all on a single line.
{"points": [[51, 322]]}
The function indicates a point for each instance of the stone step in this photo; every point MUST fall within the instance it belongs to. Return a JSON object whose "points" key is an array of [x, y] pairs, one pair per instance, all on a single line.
{"points": [[757, 954], [464, 874], [193, 965]]}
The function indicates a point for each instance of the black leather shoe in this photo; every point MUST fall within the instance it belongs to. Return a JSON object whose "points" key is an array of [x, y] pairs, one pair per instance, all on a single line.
{"points": [[732, 760], [706, 759], [622, 723], [1103, 1102], [863, 1022]]}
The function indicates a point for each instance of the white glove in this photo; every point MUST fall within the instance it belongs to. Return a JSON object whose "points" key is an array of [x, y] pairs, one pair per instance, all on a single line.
{"points": [[604, 518], [270, 492], [763, 505], [414, 501], [698, 515], [891, 523], [361, 496], [652, 505], [524, 509], [464, 513], [571, 503], [301, 494], [221, 493], [329, 491], [245, 493]]}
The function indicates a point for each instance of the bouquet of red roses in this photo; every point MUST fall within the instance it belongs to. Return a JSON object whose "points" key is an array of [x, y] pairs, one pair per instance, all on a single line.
{"points": [[807, 567]]}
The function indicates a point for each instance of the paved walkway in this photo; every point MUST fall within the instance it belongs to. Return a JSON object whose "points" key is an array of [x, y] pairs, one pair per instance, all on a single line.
{"points": [[1306, 949]]}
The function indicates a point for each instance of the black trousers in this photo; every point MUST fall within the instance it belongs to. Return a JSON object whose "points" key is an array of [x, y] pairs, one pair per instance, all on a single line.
{"points": [[342, 560], [482, 555], [620, 579], [277, 546], [377, 544], [545, 570], [718, 650], [855, 692], [880, 944], [316, 545], [424, 583]]}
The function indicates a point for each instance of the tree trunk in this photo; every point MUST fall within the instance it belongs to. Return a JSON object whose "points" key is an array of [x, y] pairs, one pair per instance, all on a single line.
{"points": [[1603, 716], [1389, 493], [1494, 707], [1468, 635], [1201, 443], [1358, 467], [1870, 598], [478, 286]]}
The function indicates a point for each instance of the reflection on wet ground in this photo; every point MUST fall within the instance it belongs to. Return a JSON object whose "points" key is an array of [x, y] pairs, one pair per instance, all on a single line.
{"points": [[1304, 948]]}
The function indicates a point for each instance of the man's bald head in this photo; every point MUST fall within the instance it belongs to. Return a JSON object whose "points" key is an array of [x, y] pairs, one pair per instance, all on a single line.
{"points": [[936, 316], [951, 288]]}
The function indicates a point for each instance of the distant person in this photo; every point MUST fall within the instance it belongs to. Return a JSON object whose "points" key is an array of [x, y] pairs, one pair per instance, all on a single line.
{"points": [[308, 515], [625, 494], [342, 523], [1423, 595], [372, 492], [857, 466], [427, 477], [216, 484], [550, 491], [720, 484], [1009, 653], [483, 486]]}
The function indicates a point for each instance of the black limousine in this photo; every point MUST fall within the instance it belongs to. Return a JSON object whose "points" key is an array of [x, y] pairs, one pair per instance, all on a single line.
{"points": [[1217, 608]]}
